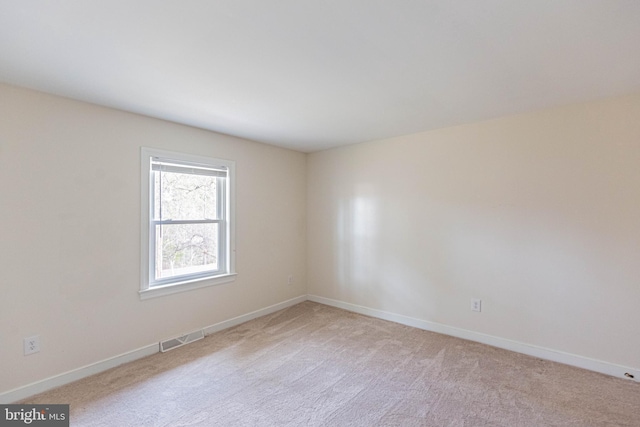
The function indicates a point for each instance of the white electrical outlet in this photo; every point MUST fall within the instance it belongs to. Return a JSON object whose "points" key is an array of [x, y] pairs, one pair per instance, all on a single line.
{"points": [[31, 345], [476, 304], [290, 280]]}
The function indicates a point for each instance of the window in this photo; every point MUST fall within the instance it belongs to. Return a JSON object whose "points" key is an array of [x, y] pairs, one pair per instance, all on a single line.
{"points": [[187, 222]]}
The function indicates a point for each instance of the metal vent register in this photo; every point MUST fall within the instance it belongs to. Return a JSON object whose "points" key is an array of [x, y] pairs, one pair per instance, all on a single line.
{"points": [[172, 343]]}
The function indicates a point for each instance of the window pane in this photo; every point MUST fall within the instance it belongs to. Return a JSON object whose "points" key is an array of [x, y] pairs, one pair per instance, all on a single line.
{"points": [[186, 249], [180, 196]]}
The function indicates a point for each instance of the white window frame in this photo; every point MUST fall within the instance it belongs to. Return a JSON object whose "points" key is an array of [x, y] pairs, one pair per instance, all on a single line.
{"points": [[149, 287]]}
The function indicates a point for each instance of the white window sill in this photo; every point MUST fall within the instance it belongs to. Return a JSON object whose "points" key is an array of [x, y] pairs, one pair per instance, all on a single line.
{"points": [[174, 288]]}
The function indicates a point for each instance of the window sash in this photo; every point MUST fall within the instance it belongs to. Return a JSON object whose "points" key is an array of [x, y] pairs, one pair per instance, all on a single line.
{"points": [[221, 214], [221, 185], [171, 280]]}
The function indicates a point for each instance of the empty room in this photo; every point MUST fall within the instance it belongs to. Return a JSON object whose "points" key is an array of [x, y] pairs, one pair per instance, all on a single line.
{"points": [[322, 213]]}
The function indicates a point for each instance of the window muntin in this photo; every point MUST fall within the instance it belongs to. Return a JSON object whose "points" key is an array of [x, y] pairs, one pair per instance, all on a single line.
{"points": [[188, 227]]}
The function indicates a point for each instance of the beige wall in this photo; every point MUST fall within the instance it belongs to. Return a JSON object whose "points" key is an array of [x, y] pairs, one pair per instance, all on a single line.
{"points": [[70, 233], [538, 215]]}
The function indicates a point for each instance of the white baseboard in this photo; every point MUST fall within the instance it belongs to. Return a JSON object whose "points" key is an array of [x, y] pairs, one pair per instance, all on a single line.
{"points": [[32, 389], [528, 349], [37, 387], [253, 315]]}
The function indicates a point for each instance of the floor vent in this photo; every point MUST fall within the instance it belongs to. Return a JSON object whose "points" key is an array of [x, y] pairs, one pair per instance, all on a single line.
{"points": [[180, 341]]}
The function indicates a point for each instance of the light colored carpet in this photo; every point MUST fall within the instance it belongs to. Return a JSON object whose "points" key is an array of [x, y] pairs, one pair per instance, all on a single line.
{"points": [[314, 365]]}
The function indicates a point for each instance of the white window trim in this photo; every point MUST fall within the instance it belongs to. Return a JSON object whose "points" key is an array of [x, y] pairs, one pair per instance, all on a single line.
{"points": [[146, 291]]}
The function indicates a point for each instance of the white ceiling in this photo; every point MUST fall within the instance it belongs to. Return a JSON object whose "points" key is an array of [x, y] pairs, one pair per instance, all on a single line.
{"points": [[309, 74]]}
